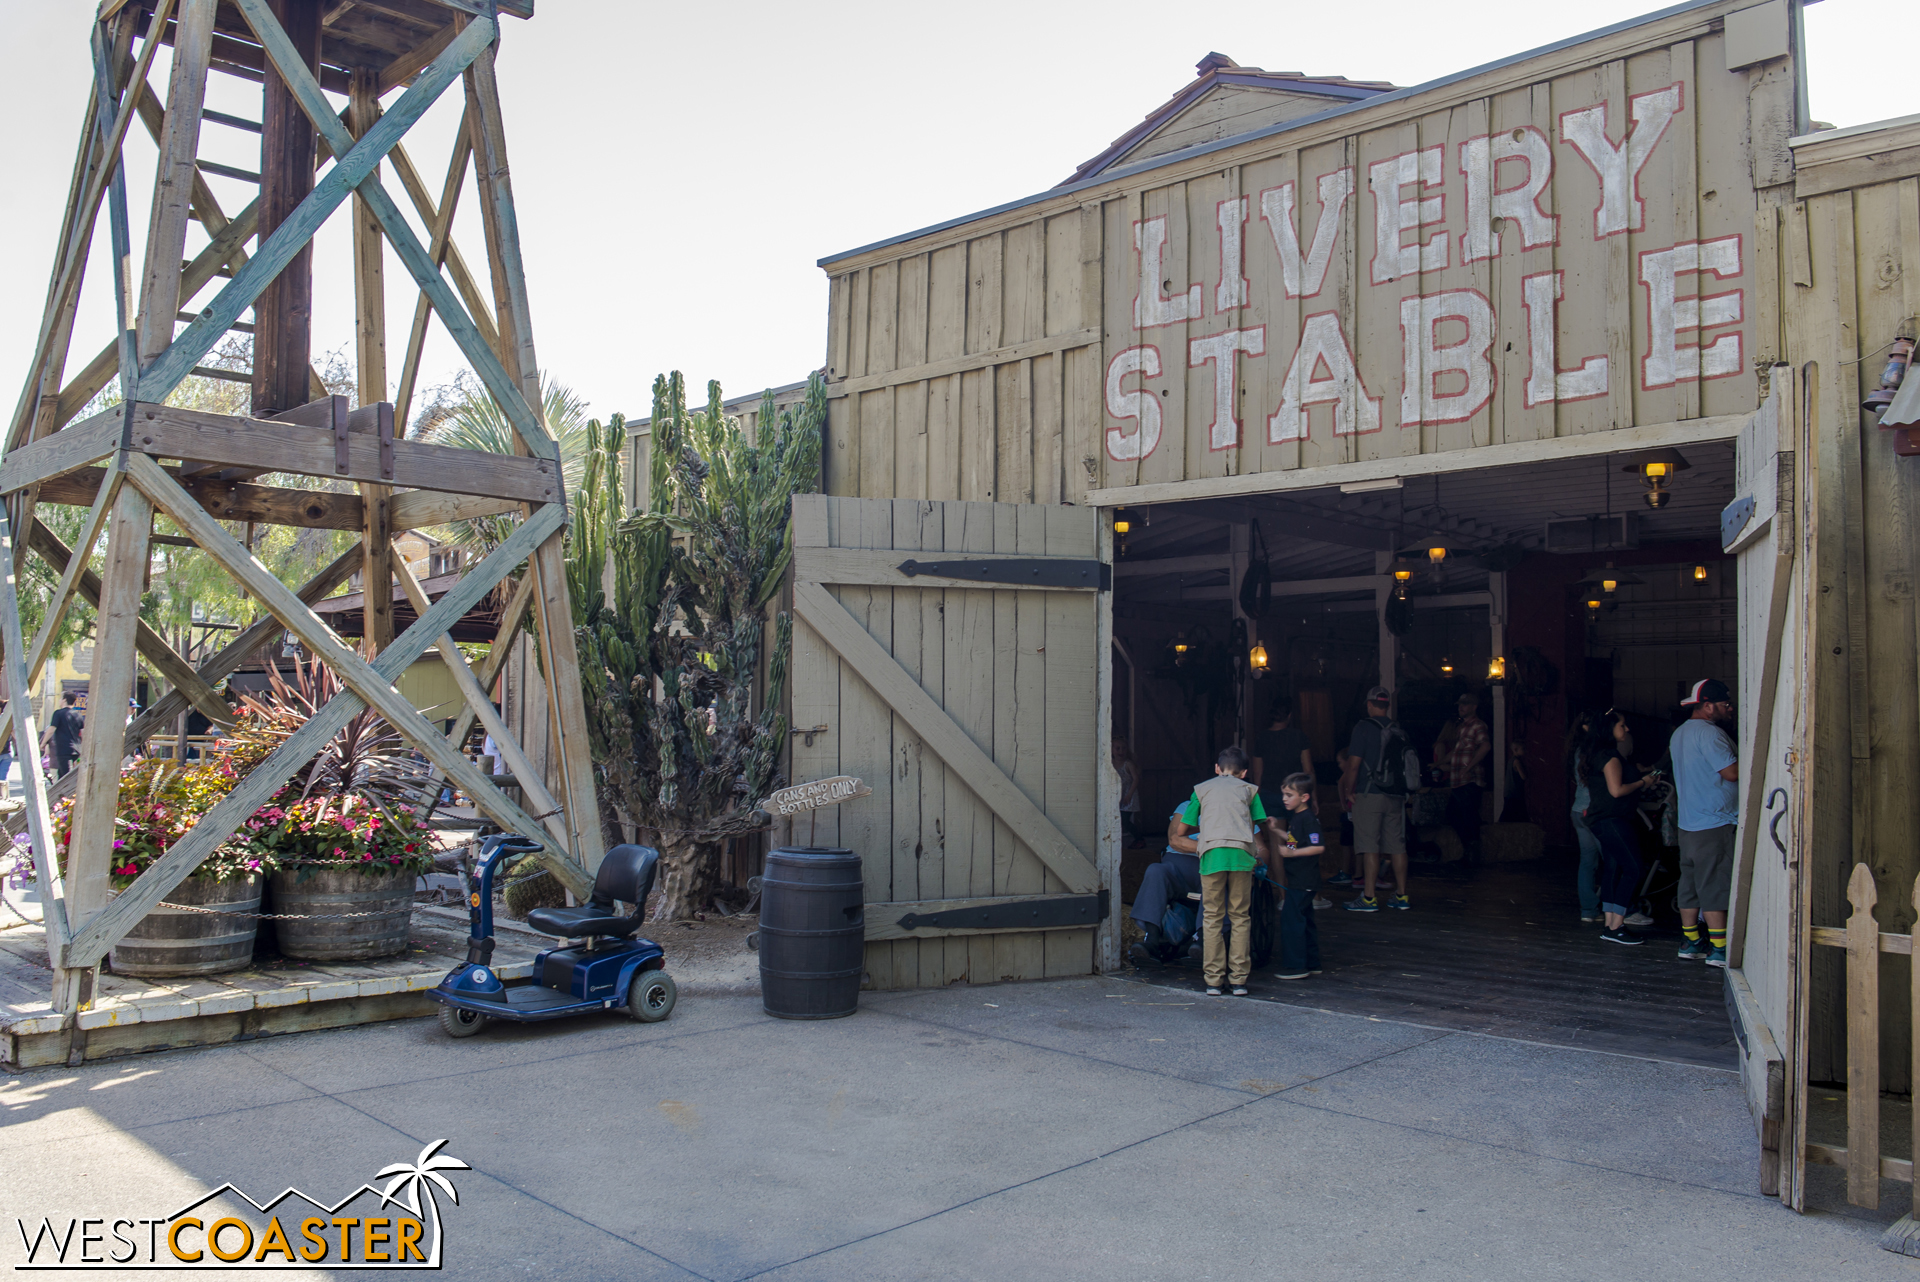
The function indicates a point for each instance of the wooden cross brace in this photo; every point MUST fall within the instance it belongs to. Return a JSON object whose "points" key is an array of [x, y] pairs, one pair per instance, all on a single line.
{"points": [[367, 685]]}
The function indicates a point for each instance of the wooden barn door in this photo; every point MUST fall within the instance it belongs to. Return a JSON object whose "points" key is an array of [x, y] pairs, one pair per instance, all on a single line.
{"points": [[948, 654], [1767, 936]]}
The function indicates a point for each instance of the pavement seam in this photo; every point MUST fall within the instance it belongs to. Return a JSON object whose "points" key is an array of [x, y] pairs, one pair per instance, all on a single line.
{"points": [[1088, 1161], [496, 1179], [1136, 1068], [1455, 1032], [1514, 1148]]}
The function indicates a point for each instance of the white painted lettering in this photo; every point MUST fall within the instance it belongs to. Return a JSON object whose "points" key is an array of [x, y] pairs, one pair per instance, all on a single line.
{"points": [[1427, 359], [1141, 404], [1618, 168], [1393, 217], [1540, 295], [1152, 305], [1666, 362], [1303, 276], [1224, 432], [1480, 160], [1233, 288], [1323, 372]]}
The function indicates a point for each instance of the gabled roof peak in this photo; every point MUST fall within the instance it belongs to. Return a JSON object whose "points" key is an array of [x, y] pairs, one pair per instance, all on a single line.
{"points": [[1216, 69]]}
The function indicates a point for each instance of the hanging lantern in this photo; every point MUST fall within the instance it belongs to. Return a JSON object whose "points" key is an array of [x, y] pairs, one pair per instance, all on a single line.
{"points": [[1890, 378], [1433, 547], [1496, 669], [1656, 469], [1446, 666], [1699, 574], [1257, 660]]}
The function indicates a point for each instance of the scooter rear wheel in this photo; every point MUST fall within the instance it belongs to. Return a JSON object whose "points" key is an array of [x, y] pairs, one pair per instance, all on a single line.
{"points": [[651, 997], [461, 1023]]}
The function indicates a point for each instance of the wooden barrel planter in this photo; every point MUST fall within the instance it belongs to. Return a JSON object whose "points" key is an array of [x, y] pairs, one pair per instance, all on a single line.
{"points": [[170, 942], [315, 897]]}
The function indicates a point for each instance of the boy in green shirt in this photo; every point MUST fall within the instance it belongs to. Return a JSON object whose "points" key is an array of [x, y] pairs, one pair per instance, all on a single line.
{"points": [[1226, 812]]}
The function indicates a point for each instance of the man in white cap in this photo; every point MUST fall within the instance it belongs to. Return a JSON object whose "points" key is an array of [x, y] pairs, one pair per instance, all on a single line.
{"points": [[1706, 770]]}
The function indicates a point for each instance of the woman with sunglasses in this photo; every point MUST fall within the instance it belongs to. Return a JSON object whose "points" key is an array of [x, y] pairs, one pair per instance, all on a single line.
{"points": [[1613, 793]]}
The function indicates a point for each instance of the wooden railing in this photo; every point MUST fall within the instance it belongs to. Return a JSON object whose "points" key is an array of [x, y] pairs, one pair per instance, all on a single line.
{"points": [[169, 747], [1865, 941]]}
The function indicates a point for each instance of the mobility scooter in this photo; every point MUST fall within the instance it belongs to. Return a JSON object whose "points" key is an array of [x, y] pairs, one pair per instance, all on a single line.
{"points": [[607, 967]]}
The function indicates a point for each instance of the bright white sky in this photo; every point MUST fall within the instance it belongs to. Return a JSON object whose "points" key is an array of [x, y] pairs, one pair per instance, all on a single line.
{"points": [[679, 168]]}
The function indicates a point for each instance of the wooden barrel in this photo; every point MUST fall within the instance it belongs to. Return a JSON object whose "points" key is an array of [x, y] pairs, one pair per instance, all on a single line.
{"points": [[323, 894], [169, 942], [813, 932]]}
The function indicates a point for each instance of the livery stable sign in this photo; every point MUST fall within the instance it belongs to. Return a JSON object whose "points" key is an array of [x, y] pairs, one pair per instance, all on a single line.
{"points": [[1579, 239], [1572, 255]]}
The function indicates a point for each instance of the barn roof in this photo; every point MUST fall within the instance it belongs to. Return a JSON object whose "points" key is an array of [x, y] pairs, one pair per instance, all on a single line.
{"points": [[1225, 99]]}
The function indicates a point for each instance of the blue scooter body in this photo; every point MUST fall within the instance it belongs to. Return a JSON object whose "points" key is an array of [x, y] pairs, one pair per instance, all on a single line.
{"points": [[565, 981]]}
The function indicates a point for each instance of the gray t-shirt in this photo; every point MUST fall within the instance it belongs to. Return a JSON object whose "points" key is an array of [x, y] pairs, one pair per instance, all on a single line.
{"points": [[1701, 750]]}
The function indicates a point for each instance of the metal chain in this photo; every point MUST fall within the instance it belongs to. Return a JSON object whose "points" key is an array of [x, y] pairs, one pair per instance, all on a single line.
{"points": [[225, 912]]}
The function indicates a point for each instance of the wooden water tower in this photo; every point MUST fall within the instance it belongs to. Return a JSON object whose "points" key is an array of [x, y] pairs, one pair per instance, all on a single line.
{"points": [[391, 59]]}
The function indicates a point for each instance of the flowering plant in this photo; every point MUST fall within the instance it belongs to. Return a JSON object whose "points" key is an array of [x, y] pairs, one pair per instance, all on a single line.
{"points": [[340, 833], [160, 802]]}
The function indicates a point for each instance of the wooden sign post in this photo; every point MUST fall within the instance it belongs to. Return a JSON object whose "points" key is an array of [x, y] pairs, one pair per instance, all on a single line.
{"points": [[810, 797]]}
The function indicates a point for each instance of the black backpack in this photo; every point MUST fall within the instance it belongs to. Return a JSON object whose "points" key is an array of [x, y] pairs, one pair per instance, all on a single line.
{"points": [[1398, 771]]}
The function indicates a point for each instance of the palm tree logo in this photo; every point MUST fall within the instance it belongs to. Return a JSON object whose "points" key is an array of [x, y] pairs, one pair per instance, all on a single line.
{"points": [[411, 1179]]}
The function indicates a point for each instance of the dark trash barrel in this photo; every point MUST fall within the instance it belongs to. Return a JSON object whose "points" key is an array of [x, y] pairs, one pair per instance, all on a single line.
{"points": [[319, 901], [813, 932]]}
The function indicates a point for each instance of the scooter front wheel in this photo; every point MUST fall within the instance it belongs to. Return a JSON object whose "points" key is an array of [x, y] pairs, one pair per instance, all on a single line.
{"points": [[461, 1023], [652, 996]]}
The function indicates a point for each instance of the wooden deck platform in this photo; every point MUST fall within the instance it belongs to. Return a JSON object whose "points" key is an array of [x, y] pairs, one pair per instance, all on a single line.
{"points": [[1507, 954], [275, 995]]}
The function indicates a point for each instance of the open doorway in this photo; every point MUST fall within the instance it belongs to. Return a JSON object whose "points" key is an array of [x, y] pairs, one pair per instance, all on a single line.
{"points": [[1534, 592]]}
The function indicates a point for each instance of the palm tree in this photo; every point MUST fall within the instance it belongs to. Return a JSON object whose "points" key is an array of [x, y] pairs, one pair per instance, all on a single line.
{"points": [[475, 423], [414, 1178]]}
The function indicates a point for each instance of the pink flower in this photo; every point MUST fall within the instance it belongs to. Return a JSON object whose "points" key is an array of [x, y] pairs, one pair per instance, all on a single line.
{"points": [[393, 859]]}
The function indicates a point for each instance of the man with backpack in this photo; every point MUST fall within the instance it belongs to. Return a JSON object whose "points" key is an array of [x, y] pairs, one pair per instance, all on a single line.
{"points": [[1382, 769]]}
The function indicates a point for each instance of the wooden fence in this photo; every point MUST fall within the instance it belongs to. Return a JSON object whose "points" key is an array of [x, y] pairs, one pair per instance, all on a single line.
{"points": [[1864, 941]]}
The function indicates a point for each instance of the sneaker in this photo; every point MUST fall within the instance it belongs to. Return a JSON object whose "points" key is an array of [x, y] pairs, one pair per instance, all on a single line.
{"points": [[1401, 902], [1314, 971], [1718, 957], [1639, 921], [1591, 917], [1621, 936], [1340, 879], [1694, 950], [1239, 990], [1362, 905], [1213, 992], [1321, 902], [1298, 974]]}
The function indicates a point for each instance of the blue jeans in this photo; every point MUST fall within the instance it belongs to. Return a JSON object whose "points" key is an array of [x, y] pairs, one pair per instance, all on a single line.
{"points": [[1619, 864], [1588, 879]]}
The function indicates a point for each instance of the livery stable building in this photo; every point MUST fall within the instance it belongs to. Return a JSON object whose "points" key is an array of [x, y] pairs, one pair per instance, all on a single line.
{"points": [[1544, 382]]}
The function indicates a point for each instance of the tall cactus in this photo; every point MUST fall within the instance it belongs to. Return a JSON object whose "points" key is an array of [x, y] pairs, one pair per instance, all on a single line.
{"points": [[683, 744]]}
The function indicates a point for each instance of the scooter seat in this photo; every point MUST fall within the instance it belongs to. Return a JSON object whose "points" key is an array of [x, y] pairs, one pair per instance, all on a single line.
{"points": [[580, 923], [626, 876]]}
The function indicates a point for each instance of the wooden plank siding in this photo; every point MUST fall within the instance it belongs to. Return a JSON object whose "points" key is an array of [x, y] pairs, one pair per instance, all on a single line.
{"points": [[1033, 420], [1013, 669], [1854, 258]]}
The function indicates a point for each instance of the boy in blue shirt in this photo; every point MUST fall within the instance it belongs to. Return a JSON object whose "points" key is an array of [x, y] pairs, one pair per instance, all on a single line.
{"points": [[1300, 848], [1227, 812]]}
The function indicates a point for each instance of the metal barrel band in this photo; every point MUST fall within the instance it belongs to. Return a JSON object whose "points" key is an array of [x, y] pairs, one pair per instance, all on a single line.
{"points": [[857, 928], [766, 973]]}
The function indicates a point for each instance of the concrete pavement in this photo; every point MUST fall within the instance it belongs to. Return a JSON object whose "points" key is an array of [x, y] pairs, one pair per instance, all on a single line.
{"points": [[1096, 1128]]}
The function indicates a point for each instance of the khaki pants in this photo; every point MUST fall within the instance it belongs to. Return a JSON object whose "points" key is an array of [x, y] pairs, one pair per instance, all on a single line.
{"points": [[1229, 895]]}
